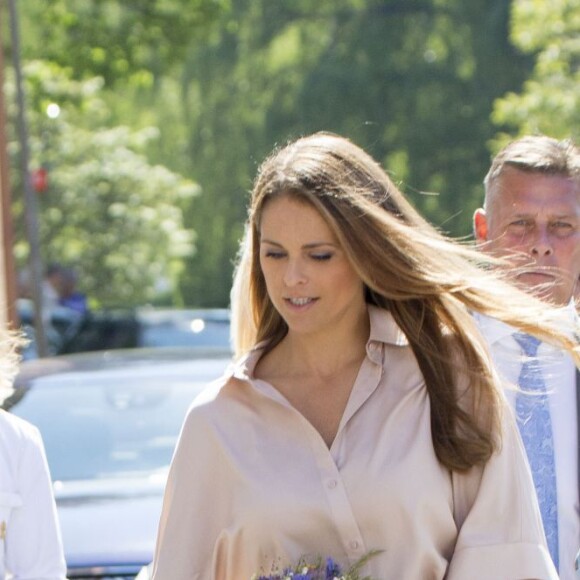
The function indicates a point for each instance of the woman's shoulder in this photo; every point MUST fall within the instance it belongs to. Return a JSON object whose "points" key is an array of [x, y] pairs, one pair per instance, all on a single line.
{"points": [[217, 415], [17, 428], [220, 393], [18, 435]]}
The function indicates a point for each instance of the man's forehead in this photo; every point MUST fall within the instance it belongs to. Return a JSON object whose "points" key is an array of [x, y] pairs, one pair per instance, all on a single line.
{"points": [[516, 187]]}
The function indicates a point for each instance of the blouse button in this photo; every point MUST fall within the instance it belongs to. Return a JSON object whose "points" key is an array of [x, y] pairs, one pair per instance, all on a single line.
{"points": [[332, 484], [353, 545]]}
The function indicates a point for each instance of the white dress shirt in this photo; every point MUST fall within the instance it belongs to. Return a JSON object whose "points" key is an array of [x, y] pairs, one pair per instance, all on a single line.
{"points": [[560, 377], [253, 486], [30, 541]]}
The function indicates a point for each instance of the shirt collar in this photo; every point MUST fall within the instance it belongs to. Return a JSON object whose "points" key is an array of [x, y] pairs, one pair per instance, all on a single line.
{"points": [[384, 328], [495, 330]]}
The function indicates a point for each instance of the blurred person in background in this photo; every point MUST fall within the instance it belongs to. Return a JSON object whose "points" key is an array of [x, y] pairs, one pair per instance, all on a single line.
{"points": [[30, 540], [363, 412], [531, 220], [64, 308], [61, 288]]}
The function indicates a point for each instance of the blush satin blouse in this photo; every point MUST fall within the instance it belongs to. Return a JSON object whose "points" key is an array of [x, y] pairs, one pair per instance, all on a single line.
{"points": [[253, 487]]}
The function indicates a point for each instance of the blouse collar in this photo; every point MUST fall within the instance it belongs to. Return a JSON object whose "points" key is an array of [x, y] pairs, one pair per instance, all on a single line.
{"points": [[383, 330]]}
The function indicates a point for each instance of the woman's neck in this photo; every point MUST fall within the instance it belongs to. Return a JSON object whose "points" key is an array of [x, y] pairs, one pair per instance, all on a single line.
{"points": [[323, 354]]}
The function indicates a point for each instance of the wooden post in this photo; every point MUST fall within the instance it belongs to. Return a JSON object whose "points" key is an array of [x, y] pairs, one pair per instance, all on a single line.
{"points": [[8, 284], [30, 201]]}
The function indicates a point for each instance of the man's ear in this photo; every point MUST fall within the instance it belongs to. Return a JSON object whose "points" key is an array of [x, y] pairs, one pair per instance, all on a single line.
{"points": [[480, 225]]}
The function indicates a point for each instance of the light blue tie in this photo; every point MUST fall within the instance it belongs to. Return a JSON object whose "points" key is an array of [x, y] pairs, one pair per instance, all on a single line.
{"points": [[533, 413]]}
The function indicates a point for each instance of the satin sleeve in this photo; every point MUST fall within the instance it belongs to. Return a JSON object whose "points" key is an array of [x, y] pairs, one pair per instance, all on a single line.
{"points": [[502, 490], [195, 504]]}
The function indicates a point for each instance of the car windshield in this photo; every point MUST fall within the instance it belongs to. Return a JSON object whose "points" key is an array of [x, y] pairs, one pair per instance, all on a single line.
{"points": [[108, 428]]}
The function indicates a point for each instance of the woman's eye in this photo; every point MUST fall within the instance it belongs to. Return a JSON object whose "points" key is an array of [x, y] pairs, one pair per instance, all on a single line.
{"points": [[273, 254], [321, 257]]}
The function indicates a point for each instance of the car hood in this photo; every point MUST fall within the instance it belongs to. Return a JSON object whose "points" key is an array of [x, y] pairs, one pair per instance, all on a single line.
{"points": [[109, 522]]}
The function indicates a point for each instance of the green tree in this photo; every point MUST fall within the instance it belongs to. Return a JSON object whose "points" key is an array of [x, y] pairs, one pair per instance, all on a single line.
{"points": [[412, 82], [116, 40], [108, 211], [548, 103]]}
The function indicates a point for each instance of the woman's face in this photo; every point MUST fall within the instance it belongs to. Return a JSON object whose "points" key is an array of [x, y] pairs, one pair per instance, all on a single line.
{"points": [[308, 276]]}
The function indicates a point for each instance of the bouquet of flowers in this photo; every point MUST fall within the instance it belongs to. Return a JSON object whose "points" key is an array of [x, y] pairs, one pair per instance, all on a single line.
{"points": [[320, 570]]}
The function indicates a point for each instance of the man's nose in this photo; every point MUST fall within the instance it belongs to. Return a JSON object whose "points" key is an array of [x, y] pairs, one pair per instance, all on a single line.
{"points": [[542, 244]]}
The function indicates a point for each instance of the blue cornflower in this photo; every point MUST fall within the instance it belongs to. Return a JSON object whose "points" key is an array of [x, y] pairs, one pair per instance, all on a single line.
{"points": [[332, 569]]}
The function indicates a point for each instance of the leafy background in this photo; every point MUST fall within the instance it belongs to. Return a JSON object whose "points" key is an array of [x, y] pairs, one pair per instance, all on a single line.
{"points": [[168, 106]]}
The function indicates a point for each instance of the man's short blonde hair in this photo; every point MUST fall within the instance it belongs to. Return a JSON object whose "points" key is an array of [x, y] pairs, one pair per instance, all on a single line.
{"points": [[535, 154]]}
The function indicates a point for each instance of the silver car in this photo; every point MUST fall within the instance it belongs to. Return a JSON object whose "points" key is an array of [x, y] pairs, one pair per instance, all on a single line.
{"points": [[110, 421]]}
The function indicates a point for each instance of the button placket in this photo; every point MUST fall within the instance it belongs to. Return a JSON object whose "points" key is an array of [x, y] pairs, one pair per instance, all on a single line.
{"points": [[341, 510]]}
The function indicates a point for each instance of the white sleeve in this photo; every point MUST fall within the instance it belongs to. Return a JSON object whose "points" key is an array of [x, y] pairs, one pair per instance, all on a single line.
{"points": [[33, 541]]}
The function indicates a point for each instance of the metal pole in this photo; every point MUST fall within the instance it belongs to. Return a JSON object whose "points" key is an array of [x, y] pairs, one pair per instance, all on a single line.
{"points": [[8, 294], [30, 201]]}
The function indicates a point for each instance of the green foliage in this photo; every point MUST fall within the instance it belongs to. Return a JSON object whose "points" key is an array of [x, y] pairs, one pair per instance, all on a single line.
{"points": [[224, 81], [549, 102], [412, 82], [119, 41], [108, 211]]}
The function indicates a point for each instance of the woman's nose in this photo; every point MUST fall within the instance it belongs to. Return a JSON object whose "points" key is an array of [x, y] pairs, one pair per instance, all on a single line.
{"points": [[294, 273]]}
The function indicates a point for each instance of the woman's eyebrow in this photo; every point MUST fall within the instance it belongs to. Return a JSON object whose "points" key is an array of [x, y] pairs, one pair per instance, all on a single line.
{"points": [[308, 246]]}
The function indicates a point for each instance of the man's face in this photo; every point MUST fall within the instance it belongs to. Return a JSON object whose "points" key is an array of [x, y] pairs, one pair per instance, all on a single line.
{"points": [[534, 220]]}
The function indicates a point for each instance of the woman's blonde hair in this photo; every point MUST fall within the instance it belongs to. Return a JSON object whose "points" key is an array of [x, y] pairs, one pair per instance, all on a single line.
{"points": [[428, 282]]}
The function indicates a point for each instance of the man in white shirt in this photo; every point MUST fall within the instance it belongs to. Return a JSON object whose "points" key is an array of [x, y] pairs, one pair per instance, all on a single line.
{"points": [[531, 218], [30, 540]]}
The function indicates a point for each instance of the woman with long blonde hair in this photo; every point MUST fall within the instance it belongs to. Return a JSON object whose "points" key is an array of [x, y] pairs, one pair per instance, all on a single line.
{"points": [[362, 413]]}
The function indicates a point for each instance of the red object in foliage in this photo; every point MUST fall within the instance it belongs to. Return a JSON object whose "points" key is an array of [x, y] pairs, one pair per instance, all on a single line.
{"points": [[40, 180]]}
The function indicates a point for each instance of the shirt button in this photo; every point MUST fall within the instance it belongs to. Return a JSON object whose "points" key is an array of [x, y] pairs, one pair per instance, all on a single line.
{"points": [[331, 484], [353, 545]]}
